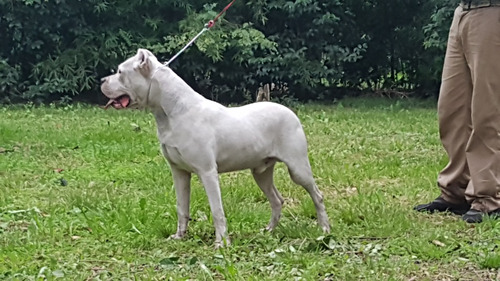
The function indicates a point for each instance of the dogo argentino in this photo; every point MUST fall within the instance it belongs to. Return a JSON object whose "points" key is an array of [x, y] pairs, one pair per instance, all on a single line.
{"points": [[206, 138]]}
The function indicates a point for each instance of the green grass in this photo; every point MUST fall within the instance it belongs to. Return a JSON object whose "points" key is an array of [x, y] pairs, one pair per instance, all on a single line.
{"points": [[108, 214]]}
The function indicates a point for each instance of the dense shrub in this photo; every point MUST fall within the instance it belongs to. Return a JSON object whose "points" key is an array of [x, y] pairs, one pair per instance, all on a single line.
{"points": [[312, 49]]}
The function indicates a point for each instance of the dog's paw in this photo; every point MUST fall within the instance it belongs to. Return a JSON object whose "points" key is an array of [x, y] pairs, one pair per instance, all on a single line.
{"points": [[222, 243], [177, 236], [326, 228], [268, 228]]}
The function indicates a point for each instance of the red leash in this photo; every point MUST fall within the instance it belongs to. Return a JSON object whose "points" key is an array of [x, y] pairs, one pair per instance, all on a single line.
{"points": [[212, 22], [208, 25]]}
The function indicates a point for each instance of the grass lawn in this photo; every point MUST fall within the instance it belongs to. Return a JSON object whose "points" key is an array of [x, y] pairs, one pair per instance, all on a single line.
{"points": [[86, 195]]}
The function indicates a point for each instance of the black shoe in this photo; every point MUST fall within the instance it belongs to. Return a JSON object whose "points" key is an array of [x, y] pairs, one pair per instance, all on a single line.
{"points": [[475, 216], [441, 205]]}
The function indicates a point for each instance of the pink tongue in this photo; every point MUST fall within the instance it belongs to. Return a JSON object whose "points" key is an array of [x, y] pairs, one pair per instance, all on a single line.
{"points": [[124, 101]]}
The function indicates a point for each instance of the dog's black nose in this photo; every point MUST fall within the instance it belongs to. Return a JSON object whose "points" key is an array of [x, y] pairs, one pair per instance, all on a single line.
{"points": [[103, 80]]}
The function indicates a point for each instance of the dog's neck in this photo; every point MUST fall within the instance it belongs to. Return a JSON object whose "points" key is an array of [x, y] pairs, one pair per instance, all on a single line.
{"points": [[169, 96]]}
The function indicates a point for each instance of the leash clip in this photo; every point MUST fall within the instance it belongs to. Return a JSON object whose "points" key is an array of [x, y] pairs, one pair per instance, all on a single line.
{"points": [[208, 25]]}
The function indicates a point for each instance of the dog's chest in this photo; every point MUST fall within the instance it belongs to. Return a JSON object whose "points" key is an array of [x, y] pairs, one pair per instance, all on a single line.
{"points": [[174, 157]]}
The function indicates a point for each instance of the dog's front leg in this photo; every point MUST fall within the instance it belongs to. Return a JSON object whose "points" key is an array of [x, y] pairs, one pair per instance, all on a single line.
{"points": [[210, 181], [182, 184]]}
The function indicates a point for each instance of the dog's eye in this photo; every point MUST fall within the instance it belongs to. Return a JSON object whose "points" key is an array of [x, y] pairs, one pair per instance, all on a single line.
{"points": [[119, 71]]}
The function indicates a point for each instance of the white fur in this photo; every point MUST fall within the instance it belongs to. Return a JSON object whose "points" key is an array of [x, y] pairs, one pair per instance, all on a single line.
{"points": [[206, 138]]}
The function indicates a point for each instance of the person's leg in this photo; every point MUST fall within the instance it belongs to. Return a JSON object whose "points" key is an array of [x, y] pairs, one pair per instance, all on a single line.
{"points": [[454, 113], [454, 116], [481, 39]]}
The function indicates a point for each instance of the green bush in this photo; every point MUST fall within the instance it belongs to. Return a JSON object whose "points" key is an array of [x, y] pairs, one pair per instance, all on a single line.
{"points": [[315, 49], [9, 80]]}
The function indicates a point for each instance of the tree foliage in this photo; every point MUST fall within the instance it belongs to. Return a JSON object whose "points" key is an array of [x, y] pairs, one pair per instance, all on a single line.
{"points": [[311, 49]]}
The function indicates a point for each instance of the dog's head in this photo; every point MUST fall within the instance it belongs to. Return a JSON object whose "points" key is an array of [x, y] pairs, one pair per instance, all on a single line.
{"points": [[129, 86]]}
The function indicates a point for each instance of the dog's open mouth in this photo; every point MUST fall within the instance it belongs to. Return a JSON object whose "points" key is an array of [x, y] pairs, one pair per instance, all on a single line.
{"points": [[120, 102]]}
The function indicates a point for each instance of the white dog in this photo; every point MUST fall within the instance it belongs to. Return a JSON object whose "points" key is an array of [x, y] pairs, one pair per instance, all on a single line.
{"points": [[206, 138]]}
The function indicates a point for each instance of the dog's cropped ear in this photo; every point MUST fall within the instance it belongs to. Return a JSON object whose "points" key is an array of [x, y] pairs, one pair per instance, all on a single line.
{"points": [[143, 58]]}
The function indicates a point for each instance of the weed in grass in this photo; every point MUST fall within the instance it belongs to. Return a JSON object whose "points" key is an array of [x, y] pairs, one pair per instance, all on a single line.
{"points": [[491, 261]]}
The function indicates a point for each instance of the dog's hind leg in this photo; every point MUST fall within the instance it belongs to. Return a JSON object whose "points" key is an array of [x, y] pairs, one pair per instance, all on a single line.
{"points": [[210, 181], [301, 174], [265, 182], [182, 184]]}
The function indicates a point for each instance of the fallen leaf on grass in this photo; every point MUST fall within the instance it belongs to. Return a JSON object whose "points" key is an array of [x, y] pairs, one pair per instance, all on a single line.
{"points": [[135, 127], [134, 229], [438, 243], [58, 273], [75, 237]]}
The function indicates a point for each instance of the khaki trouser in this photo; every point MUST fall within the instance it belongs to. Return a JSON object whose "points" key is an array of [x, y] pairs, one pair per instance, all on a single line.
{"points": [[469, 109]]}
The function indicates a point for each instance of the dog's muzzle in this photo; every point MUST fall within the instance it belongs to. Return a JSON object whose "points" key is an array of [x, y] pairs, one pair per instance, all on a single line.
{"points": [[119, 102]]}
